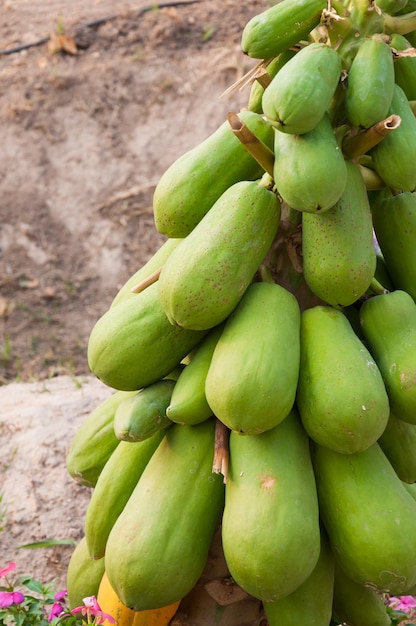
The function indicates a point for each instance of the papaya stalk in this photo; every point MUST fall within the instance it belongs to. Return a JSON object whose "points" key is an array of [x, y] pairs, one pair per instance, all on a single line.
{"points": [[400, 24], [258, 150], [221, 450], [146, 282], [354, 146]]}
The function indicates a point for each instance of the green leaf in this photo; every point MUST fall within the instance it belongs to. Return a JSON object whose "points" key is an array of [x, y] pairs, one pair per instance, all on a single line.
{"points": [[50, 543]]}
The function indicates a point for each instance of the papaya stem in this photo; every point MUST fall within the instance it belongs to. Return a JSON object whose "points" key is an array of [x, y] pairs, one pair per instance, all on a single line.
{"points": [[354, 146], [265, 274], [377, 288], [264, 78], [399, 24], [258, 150], [146, 282], [221, 450]]}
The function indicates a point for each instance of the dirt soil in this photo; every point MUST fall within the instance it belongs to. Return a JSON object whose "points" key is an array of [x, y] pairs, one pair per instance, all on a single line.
{"points": [[88, 123]]}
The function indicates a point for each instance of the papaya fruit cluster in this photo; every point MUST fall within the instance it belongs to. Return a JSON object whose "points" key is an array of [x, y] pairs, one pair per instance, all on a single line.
{"points": [[263, 361]]}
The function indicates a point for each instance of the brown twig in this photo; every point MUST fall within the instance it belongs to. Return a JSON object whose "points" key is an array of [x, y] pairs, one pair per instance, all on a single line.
{"points": [[355, 146], [258, 150], [221, 450], [146, 282]]}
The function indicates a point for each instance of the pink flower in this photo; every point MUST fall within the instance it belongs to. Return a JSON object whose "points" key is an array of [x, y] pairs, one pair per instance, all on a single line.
{"points": [[403, 603], [7, 598], [60, 595], [6, 570], [55, 611], [91, 608]]}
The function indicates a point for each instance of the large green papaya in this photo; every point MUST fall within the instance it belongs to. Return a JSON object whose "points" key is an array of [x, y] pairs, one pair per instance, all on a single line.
{"points": [[83, 575], [394, 157], [311, 603], [339, 259], [388, 323], [94, 441], [394, 220], [133, 344], [299, 95], [159, 544], [309, 170], [270, 526], [341, 395], [192, 184], [275, 30], [364, 506], [252, 377], [370, 83], [206, 275], [398, 443], [113, 489]]}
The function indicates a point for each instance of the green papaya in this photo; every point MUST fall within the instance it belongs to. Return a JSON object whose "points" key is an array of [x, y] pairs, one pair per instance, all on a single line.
{"points": [[153, 264], [94, 441], [158, 547], [370, 83], [206, 275], [133, 344], [357, 605], [113, 489], [194, 182], [341, 395], [270, 526], [339, 259], [309, 170], [144, 414], [364, 505], [252, 377], [394, 157], [299, 95], [391, 6], [311, 603], [398, 442], [257, 90], [404, 66], [394, 221], [274, 30], [83, 575], [188, 404], [388, 323]]}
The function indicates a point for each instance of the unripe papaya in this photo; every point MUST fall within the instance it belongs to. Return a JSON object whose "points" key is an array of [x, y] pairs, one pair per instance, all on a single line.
{"points": [[394, 157], [388, 323], [404, 67], [159, 544], [194, 182], [370, 83], [299, 95], [113, 489], [394, 220], [188, 404], [251, 381], [398, 443], [95, 441], [132, 345], [83, 575], [339, 259], [391, 6], [364, 505], [309, 170], [257, 90], [280, 27], [206, 275], [311, 603], [341, 395], [144, 414], [270, 526]]}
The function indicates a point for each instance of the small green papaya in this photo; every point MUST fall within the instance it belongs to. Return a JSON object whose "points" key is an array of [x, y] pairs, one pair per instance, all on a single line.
{"points": [[357, 605], [158, 547], [388, 323], [364, 505], [299, 95], [270, 525], [391, 6], [404, 66], [83, 575], [192, 184], [188, 404], [341, 395], [142, 415], [274, 30], [309, 170], [398, 442], [339, 259], [94, 441], [206, 275], [257, 90], [133, 344], [113, 489], [394, 220], [370, 83], [252, 378], [394, 157], [311, 603]]}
